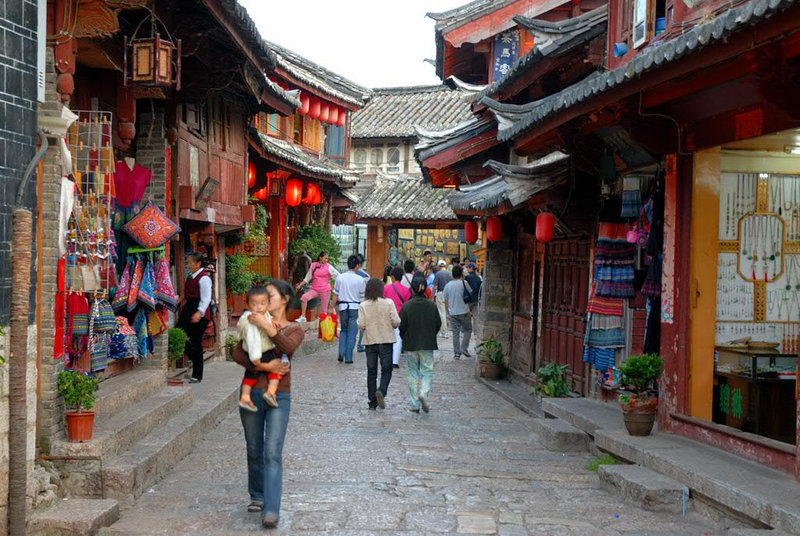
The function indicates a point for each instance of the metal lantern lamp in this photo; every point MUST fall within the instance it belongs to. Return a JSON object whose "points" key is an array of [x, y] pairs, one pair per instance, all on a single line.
{"points": [[152, 60]]}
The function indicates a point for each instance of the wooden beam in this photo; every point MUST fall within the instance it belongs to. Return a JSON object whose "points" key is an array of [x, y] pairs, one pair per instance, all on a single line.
{"points": [[463, 150]]}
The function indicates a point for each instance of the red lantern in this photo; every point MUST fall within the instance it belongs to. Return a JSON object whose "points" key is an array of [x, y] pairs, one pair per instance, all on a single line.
{"points": [[545, 224], [342, 117], [261, 194], [251, 175], [324, 112], [333, 115], [305, 104], [314, 110], [471, 232], [313, 195], [294, 192], [494, 229]]}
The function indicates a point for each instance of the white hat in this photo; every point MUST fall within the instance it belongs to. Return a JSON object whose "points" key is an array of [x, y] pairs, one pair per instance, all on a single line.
{"points": [[441, 263]]}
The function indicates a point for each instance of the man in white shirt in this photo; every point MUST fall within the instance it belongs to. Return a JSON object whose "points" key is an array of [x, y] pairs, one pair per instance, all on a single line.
{"points": [[195, 314], [348, 292]]}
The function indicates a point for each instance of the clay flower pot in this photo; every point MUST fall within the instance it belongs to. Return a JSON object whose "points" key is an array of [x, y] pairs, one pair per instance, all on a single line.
{"points": [[639, 413], [79, 425]]}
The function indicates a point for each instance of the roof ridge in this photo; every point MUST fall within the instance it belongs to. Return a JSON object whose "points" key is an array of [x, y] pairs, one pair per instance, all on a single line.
{"points": [[400, 90]]}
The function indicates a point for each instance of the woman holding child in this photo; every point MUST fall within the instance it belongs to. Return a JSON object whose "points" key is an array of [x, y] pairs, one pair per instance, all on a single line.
{"points": [[264, 424]]}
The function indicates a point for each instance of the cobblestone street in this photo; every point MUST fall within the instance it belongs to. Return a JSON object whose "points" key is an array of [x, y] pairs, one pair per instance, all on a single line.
{"points": [[473, 465]]}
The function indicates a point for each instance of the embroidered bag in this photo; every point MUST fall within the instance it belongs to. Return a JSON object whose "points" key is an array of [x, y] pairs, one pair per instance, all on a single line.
{"points": [[150, 228]]}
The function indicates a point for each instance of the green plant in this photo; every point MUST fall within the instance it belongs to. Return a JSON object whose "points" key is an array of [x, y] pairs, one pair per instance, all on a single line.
{"points": [[606, 459], [258, 229], [238, 278], [231, 342], [176, 343], [491, 351], [551, 380], [313, 239], [78, 389], [640, 372]]}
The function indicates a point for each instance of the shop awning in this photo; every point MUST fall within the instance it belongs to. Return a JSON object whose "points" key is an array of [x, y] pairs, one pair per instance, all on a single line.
{"points": [[513, 184]]}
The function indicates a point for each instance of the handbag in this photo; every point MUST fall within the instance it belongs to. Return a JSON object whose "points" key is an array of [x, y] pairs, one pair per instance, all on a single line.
{"points": [[327, 328]]}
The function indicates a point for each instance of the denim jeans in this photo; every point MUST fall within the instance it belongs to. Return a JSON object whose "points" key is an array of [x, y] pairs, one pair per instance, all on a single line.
{"points": [[348, 320], [264, 433], [419, 373], [375, 352]]}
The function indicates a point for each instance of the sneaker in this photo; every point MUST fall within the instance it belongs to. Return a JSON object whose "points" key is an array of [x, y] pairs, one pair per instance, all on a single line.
{"points": [[360, 348], [466, 353], [194, 380], [269, 521], [424, 403], [248, 406], [379, 399], [457, 357], [341, 358], [255, 506], [414, 410], [301, 320], [271, 400]]}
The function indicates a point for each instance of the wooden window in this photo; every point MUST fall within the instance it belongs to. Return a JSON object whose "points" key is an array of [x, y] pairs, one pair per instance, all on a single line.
{"points": [[393, 160], [312, 134], [273, 128], [194, 116], [220, 123], [639, 24], [335, 144], [360, 159], [376, 158]]}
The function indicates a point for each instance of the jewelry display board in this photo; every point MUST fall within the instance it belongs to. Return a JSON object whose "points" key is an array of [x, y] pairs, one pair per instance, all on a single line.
{"points": [[758, 270]]}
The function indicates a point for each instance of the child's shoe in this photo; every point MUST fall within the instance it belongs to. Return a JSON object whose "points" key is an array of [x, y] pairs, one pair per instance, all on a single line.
{"points": [[248, 406], [271, 400]]}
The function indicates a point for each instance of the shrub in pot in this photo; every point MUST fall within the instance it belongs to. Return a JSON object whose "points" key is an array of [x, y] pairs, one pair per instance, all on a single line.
{"points": [[551, 381], [639, 399], [78, 390], [176, 343], [491, 359], [231, 342]]}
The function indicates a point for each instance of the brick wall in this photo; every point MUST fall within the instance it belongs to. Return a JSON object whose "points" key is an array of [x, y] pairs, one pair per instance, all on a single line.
{"points": [[494, 315]]}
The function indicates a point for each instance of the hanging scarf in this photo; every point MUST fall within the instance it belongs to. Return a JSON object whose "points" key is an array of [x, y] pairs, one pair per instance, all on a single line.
{"points": [[121, 296], [140, 327], [165, 291], [146, 294], [136, 282]]}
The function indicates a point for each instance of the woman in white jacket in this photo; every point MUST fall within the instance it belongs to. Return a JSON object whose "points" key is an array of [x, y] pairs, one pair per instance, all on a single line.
{"points": [[377, 318]]}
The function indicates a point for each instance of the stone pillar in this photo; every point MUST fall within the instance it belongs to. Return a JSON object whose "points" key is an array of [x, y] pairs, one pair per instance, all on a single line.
{"points": [[151, 153], [494, 315]]}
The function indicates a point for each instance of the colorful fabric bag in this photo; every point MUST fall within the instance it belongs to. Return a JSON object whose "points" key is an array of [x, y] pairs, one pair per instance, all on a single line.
{"points": [[150, 228]]}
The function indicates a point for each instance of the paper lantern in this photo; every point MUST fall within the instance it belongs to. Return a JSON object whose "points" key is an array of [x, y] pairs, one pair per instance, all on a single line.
{"points": [[313, 111], [494, 229], [313, 194], [471, 232], [333, 115], [324, 112], [342, 117], [294, 192], [251, 175], [261, 194], [545, 224], [305, 104]]}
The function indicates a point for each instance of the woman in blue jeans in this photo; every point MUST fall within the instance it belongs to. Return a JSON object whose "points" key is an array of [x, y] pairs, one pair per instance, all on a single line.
{"points": [[265, 429]]}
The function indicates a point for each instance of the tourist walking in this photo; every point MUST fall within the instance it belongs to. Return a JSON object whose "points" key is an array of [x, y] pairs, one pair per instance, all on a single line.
{"points": [[348, 293], [408, 275], [319, 275], [474, 282], [377, 319], [440, 280], [399, 295], [458, 312], [195, 312], [265, 428], [363, 273], [419, 324]]}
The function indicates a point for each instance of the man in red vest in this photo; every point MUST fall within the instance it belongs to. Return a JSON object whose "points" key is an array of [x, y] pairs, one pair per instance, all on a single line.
{"points": [[195, 313]]}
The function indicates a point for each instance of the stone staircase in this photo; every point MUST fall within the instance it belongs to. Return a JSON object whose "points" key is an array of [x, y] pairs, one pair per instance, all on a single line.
{"points": [[142, 429]]}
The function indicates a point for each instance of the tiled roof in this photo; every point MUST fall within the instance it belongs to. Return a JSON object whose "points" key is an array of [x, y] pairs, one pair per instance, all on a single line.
{"points": [[513, 184], [404, 198], [394, 112], [433, 142], [551, 38], [319, 78], [296, 157], [516, 119], [453, 18]]}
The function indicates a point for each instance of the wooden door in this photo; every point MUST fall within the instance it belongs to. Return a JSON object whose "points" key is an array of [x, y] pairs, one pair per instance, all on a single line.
{"points": [[523, 330], [566, 291]]}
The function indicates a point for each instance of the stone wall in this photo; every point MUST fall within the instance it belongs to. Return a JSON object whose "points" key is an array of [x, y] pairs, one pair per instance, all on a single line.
{"points": [[494, 315]]}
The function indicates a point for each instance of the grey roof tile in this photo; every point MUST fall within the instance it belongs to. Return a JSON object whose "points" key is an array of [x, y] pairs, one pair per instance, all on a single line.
{"points": [[394, 112], [295, 156], [404, 198]]}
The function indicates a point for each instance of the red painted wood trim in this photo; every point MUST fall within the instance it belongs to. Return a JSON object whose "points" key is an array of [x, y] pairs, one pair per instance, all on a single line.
{"points": [[283, 163], [463, 150]]}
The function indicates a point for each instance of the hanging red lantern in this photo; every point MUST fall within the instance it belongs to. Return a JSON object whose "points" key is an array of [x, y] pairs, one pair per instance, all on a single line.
{"points": [[251, 174], [471, 232], [324, 112], [305, 104], [313, 194], [314, 110], [261, 194], [333, 115], [494, 229], [294, 192], [342, 117], [545, 224]]}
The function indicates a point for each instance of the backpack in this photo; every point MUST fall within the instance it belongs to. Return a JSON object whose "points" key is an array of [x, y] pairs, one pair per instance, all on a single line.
{"points": [[468, 294]]}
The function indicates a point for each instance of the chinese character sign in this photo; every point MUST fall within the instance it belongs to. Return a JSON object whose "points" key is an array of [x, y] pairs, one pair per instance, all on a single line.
{"points": [[506, 47]]}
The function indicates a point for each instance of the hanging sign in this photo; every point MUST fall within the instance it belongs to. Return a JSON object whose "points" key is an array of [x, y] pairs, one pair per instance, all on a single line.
{"points": [[506, 48]]}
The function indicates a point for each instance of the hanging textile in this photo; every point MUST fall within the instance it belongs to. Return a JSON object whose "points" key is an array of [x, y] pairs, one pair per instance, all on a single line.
{"points": [[60, 309], [165, 291], [146, 295], [136, 282], [124, 287], [140, 327], [631, 197]]}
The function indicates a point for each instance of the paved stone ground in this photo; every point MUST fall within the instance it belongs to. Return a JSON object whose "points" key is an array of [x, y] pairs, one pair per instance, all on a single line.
{"points": [[473, 465]]}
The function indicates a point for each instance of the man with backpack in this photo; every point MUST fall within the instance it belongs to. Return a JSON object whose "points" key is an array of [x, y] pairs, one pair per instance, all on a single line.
{"points": [[458, 312], [474, 282]]}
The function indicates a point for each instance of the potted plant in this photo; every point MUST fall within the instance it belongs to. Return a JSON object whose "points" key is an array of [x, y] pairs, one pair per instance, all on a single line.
{"points": [[491, 359], [639, 400], [238, 280], [176, 344], [551, 380], [231, 341], [78, 390]]}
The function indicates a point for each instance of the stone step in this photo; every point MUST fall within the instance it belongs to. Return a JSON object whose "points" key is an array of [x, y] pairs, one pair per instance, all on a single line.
{"points": [[126, 476], [74, 517], [756, 532], [560, 436], [114, 432], [124, 390], [645, 488]]}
